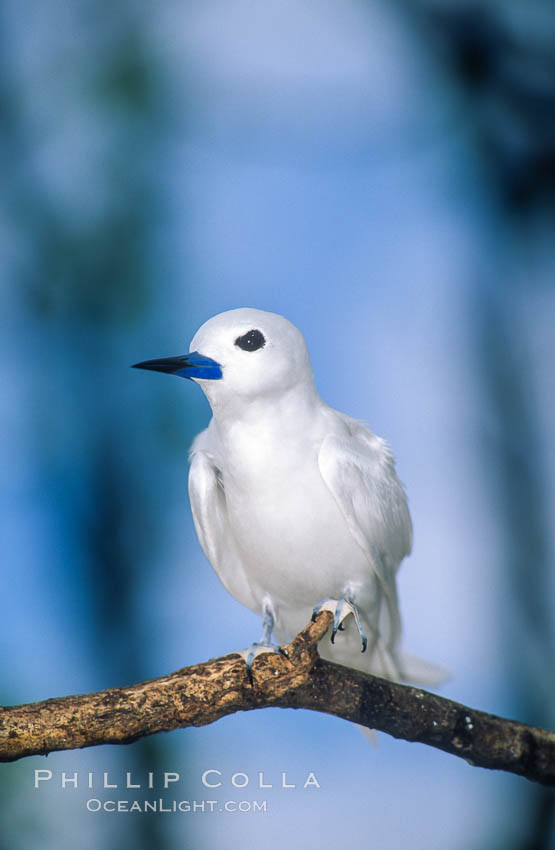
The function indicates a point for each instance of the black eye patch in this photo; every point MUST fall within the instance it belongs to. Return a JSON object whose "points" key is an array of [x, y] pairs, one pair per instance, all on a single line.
{"points": [[251, 341]]}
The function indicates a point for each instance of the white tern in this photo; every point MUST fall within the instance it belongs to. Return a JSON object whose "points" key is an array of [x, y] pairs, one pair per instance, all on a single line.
{"points": [[296, 505]]}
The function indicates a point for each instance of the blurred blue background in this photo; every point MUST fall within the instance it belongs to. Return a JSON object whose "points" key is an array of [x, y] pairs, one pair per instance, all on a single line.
{"points": [[381, 173]]}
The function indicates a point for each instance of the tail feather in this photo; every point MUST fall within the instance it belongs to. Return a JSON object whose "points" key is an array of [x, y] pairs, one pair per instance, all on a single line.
{"points": [[419, 672]]}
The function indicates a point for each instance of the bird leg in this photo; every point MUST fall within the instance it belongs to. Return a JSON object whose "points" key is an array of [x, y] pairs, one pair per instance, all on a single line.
{"points": [[341, 608], [267, 625], [265, 643]]}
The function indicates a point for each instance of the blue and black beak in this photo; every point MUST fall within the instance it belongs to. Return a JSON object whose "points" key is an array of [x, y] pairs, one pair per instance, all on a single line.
{"points": [[192, 365]]}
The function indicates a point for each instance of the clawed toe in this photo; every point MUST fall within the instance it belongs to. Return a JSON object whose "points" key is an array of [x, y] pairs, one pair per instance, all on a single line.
{"points": [[341, 608]]}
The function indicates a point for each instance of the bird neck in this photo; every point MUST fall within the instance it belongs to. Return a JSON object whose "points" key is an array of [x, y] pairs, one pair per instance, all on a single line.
{"points": [[269, 415]]}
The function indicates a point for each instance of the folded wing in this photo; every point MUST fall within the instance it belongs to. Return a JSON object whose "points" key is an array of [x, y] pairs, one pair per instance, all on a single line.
{"points": [[359, 470], [209, 509]]}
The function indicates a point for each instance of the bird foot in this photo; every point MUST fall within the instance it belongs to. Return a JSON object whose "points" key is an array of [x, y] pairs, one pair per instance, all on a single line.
{"points": [[341, 608], [257, 648]]}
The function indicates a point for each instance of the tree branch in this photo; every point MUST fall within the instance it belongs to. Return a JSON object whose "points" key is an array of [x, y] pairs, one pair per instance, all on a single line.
{"points": [[195, 696]]}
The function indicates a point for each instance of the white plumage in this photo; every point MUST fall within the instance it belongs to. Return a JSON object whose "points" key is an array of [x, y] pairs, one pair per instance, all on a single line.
{"points": [[294, 502]]}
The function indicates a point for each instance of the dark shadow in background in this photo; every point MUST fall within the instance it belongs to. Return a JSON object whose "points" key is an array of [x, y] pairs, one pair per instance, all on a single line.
{"points": [[506, 76], [86, 288]]}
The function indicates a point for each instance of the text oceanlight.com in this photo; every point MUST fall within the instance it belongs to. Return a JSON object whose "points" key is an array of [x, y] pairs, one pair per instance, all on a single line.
{"points": [[176, 806]]}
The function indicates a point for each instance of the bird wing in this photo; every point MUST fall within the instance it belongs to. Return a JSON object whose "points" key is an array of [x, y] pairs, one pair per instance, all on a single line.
{"points": [[359, 470], [209, 509], [207, 505]]}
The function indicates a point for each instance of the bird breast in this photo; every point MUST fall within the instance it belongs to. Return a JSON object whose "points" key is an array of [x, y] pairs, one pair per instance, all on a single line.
{"points": [[286, 524]]}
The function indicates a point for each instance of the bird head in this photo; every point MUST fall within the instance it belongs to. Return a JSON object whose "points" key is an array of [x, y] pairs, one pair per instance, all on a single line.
{"points": [[243, 354]]}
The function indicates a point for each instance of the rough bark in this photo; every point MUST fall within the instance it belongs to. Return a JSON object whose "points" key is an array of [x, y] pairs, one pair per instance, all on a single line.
{"points": [[195, 696]]}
